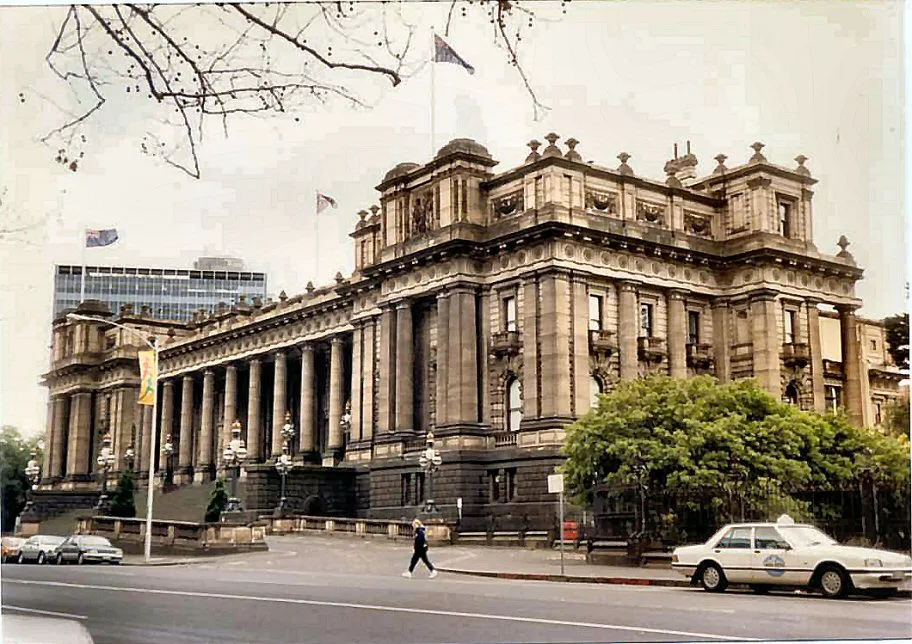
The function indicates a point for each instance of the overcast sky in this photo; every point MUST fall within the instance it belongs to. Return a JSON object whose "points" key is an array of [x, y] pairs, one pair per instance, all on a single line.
{"points": [[822, 79]]}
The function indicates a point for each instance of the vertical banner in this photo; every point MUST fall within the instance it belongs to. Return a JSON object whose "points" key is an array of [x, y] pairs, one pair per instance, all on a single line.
{"points": [[147, 377]]}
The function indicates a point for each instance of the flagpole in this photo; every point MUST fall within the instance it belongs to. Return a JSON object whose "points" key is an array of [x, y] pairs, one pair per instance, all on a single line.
{"points": [[433, 92], [316, 246]]}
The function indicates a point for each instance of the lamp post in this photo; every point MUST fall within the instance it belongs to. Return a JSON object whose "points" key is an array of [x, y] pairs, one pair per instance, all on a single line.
{"points": [[105, 460], [288, 429], [33, 474], [234, 453], [283, 467], [129, 456], [168, 451], [152, 443], [430, 461]]}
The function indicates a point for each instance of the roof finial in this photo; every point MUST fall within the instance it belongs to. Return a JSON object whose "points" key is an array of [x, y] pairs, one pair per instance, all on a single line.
{"points": [[572, 154], [552, 150], [843, 243], [624, 168], [757, 158], [534, 155], [720, 159], [800, 159]]}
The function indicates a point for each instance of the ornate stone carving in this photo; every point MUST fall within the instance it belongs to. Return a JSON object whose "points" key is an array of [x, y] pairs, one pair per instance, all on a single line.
{"points": [[602, 202], [422, 213], [650, 213], [511, 204], [697, 224]]}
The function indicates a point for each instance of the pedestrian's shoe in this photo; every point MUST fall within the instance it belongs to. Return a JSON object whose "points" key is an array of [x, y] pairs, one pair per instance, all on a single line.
{"points": [[433, 574], [407, 574]]}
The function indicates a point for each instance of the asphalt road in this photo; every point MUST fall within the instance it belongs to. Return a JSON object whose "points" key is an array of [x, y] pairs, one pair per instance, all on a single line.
{"points": [[344, 590]]}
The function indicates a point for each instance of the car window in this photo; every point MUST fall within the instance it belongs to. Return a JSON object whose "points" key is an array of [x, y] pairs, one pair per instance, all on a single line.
{"points": [[32, 540], [95, 541], [736, 538], [767, 538], [805, 535]]}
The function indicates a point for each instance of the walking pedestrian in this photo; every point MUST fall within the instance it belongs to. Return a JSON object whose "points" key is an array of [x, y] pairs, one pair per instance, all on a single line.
{"points": [[420, 550]]}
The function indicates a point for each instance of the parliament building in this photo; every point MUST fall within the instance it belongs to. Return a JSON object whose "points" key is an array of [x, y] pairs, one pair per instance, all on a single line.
{"points": [[490, 308]]}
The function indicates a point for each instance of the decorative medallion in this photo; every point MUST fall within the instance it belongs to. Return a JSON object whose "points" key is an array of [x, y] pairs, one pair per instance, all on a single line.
{"points": [[818, 283], [697, 224], [777, 274], [606, 259], [804, 280], [672, 271], [568, 250], [640, 265], [539, 253], [688, 274], [488, 266], [703, 277], [622, 262], [511, 204], [656, 268], [587, 255], [602, 202], [650, 213], [521, 258]]}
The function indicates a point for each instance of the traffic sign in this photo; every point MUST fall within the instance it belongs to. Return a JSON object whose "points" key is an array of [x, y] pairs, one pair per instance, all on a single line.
{"points": [[555, 483]]}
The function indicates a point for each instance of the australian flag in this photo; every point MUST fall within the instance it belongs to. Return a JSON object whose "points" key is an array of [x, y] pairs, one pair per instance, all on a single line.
{"points": [[95, 238], [443, 53]]}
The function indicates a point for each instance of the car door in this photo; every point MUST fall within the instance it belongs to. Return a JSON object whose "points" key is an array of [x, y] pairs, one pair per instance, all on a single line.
{"points": [[775, 561], [67, 549], [733, 552]]}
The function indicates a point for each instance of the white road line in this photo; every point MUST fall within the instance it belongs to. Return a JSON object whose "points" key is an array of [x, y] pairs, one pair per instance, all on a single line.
{"points": [[43, 612], [390, 609]]}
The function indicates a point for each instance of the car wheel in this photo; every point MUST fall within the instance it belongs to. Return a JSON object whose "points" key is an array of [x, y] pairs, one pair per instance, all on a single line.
{"points": [[713, 579], [760, 589], [40, 558], [20, 559], [59, 559], [834, 582], [80, 560]]}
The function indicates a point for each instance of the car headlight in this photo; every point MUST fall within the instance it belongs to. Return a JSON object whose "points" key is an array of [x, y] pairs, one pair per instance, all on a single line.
{"points": [[873, 563], [92, 551]]}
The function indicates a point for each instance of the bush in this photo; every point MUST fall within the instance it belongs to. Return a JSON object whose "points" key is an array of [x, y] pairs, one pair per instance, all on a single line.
{"points": [[217, 502], [122, 502]]}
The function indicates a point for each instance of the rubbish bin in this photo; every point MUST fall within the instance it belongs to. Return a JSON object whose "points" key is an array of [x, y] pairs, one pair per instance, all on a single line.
{"points": [[571, 530]]}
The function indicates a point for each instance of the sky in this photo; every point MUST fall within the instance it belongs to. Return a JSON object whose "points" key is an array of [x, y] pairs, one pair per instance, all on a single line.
{"points": [[823, 79]]}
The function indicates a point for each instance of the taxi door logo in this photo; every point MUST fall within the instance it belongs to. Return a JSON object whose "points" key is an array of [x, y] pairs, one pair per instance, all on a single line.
{"points": [[147, 377], [774, 566]]}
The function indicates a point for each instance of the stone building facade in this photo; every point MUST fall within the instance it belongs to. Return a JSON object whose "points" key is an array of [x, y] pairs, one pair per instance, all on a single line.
{"points": [[490, 308]]}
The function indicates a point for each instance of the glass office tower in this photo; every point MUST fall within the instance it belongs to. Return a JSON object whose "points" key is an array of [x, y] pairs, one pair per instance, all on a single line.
{"points": [[171, 294]]}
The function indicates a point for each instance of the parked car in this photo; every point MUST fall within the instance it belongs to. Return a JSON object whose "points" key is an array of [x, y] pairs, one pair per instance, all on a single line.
{"points": [[789, 554], [9, 547], [82, 548], [40, 548]]}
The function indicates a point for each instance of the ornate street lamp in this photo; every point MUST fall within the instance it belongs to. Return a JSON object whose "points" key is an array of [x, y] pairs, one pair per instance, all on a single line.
{"points": [[105, 460], [233, 455], [430, 461], [129, 457], [168, 451], [283, 466], [33, 474], [288, 429], [346, 422]]}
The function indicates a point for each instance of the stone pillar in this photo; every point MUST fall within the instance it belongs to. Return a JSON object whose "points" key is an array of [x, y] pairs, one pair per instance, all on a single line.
{"points": [[253, 411], [185, 457], [48, 441], [443, 345], [386, 395], [462, 357], [307, 430], [78, 457], [555, 346], [356, 380], [279, 401], [335, 397], [367, 383], [580, 325], [722, 339], [767, 343], [230, 410], [126, 422], [816, 350], [206, 461], [167, 422], [677, 334], [531, 401], [628, 330], [58, 457], [405, 365], [854, 404], [146, 444]]}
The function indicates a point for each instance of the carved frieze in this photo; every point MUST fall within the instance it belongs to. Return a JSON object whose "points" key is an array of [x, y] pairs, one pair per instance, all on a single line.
{"points": [[650, 213], [509, 205], [602, 202], [697, 224]]}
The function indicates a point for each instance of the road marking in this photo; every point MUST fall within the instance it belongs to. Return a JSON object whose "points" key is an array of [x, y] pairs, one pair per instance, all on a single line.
{"points": [[43, 612], [390, 609]]}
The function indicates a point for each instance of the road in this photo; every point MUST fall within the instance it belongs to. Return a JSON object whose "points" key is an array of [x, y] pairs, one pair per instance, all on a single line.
{"points": [[329, 590]]}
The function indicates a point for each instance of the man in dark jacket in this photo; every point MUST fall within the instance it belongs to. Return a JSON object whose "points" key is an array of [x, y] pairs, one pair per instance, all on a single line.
{"points": [[420, 550]]}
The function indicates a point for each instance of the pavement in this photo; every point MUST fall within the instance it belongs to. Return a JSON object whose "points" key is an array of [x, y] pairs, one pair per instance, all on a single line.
{"points": [[340, 590]]}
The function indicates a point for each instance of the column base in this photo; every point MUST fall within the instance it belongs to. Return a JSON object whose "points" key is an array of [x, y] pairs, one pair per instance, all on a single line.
{"points": [[184, 475], [204, 474], [332, 457]]}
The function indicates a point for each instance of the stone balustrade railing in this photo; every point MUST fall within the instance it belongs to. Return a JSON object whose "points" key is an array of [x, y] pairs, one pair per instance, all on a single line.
{"points": [[390, 529]]}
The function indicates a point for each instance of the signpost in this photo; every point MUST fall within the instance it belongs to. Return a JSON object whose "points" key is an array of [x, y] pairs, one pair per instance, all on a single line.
{"points": [[556, 485]]}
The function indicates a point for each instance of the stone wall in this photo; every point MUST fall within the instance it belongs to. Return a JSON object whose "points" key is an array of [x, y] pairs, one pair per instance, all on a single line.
{"points": [[51, 503], [310, 489]]}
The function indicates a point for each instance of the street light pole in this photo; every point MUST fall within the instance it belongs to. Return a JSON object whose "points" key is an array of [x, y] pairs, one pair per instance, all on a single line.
{"points": [[153, 444], [429, 461]]}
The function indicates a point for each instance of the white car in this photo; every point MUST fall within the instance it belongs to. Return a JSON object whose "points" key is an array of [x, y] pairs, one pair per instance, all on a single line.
{"points": [[765, 555], [39, 548]]}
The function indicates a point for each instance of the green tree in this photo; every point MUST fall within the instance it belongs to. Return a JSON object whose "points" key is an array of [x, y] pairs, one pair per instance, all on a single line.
{"points": [[14, 456], [897, 328], [122, 502], [217, 502], [896, 417]]}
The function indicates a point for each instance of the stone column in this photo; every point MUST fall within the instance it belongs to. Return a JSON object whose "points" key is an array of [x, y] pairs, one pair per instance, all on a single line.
{"points": [[185, 457], [722, 339], [253, 411], [443, 345], [167, 422], [580, 325], [386, 395], [126, 411], [58, 457], [531, 401], [767, 343], [555, 346], [307, 430], [814, 345], [462, 357], [279, 401], [78, 457], [356, 380], [229, 414], [146, 443], [854, 405], [628, 330], [48, 441], [677, 334], [405, 364], [206, 462], [367, 362], [335, 396]]}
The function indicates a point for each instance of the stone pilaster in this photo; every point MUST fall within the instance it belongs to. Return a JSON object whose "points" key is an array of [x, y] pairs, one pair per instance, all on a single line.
{"points": [[206, 461], [279, 401], [254, 428], [580, 325], [307, 431], [462, 404], [405, 365], [356, 382], [530, 390], [386, 395], [367, 362], [721, 339], [628, 330], [78, 457], [813, 318], [677, 334], [555, 346], [335, 397], [443, 346], [58, 456], [185, 456], [229, 414], [167, 421], [854, 404], [767, 343], [48, 441]]}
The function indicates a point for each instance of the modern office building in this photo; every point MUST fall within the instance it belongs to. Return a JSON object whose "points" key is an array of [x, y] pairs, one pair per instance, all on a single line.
{"points": [[169, 294]]}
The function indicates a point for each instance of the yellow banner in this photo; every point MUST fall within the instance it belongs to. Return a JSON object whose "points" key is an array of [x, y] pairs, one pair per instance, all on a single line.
{"points": [[147, 377]]}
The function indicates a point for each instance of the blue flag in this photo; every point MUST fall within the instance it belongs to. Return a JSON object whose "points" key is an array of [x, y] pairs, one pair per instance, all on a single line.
{"points": [[95, 238], [443, 53]]}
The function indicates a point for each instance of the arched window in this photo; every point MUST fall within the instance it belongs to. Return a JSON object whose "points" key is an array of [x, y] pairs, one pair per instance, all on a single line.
{"points": [[514, 405], [595, 388]]}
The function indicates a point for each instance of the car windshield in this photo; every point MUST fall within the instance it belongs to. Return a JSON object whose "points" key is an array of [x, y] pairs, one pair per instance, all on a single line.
{"points": [[805, 535], [54, 541], [95, 541], [12, 541]]}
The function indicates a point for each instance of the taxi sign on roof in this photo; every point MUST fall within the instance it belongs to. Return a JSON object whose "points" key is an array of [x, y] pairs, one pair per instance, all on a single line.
{"points": [[785, 520]]}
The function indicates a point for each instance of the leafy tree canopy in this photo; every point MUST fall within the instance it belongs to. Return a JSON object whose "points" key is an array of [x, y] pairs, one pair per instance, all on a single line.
{"points": [[122, 502], [14, 456], [897, 327]]}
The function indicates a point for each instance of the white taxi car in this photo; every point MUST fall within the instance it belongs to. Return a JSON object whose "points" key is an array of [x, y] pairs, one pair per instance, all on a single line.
{"points": [[785, 553]]}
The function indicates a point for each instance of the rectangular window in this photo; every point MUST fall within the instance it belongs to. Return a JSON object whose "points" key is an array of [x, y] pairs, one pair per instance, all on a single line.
{"points": [[693, 327], [509, 313], [646, 320], [791, 326], [494, 485], [406, 489], [873, 345], [785, 218], [511, 484], [877, 413], [419, 488], [833, 397], [595, 313]]}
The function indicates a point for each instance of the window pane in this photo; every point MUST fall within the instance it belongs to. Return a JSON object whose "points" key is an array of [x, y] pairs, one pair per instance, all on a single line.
{"points": [[595, 388], [595, 313], [693, 327], [646, 320]]}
